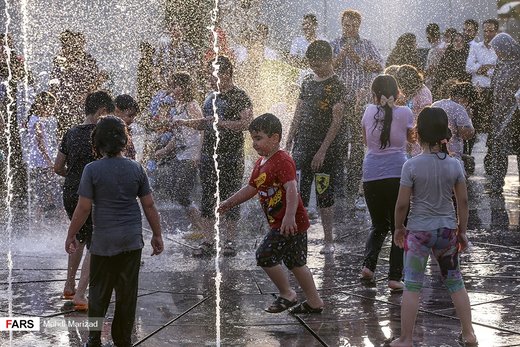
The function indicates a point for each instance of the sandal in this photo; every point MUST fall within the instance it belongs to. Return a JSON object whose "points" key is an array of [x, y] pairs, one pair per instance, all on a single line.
{"points": [[396, 287], [280, 305], [229, 249], [304, 307], [81, 307], [205, 249]]}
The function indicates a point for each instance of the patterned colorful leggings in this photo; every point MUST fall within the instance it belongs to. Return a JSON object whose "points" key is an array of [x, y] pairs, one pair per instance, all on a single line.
{"points": [[442, 243]]}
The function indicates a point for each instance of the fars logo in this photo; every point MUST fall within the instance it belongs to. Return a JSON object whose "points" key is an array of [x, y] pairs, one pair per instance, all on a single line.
{"points": [[20, 324]]}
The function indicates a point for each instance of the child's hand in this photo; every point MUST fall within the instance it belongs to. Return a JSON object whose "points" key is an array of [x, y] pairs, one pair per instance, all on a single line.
{"points": [[157, 245], [224, 206], [317, 161], [400, 237], [289, 226], [71, 244], [462, 241]]}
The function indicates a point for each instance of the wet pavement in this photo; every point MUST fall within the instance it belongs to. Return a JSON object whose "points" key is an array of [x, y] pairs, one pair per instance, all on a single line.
{"points": [[177, 296]]}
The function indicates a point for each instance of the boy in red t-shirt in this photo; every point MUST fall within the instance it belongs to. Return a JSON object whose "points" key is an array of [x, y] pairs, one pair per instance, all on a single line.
{"points": [[274, 179]]}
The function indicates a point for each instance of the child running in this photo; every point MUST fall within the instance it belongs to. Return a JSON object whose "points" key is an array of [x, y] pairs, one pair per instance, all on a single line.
{"points": [[429, 180], [274, 179], [110, 185]]}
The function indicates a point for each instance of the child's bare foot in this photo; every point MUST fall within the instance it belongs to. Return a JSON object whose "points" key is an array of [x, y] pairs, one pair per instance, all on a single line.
{"points": [[400, 342], [366, 274], [69, 290], [80, 303], [468, 339]]}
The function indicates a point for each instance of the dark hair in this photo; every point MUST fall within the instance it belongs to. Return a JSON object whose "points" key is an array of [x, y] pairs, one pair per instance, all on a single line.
{"points": [[98, 100], [409, 79], [319, 50], [472, 22], [126, 102], [109, 136], [352, 14], [464, 90], [384, 85], [492, 21], [433, 30], [451, 32], [432, 128], [311, 17], [267, 123], [225, 65], [41, 99], [183, 80]]}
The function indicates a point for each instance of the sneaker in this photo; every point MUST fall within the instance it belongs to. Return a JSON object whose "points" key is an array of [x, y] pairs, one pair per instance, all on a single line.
{"points": [[229, 249], [327, 249]]}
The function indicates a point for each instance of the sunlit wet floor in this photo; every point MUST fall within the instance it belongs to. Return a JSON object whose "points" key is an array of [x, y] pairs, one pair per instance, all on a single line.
{"points": [[176, 304]]}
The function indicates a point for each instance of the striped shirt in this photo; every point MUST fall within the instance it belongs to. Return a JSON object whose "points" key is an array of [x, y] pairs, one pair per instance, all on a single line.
{"points": [[352, 74]]}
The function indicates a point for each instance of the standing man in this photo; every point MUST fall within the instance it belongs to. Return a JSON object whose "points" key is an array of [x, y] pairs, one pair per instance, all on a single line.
{"points": [[356, 63], [300, 43], [481, 65], [470, 31], [235, 112], [437, 47]]}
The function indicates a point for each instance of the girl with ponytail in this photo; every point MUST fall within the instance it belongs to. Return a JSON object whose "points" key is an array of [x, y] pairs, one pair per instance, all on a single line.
{"points": [[386, 129]]}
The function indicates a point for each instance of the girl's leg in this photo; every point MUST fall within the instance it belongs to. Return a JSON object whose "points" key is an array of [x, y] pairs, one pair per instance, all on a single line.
{"points": [[280, 279], [79, 297], [462, 306], [447, 255], [72, 268], [126, 287], [304, 277], [380, 225], [418, 245], [409, 307], [395, 271]]}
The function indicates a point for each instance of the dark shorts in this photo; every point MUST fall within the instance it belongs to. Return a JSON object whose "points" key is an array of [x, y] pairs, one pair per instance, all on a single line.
{"points": [[231, 172], [275, 248], [303, 153], [70, 200]]}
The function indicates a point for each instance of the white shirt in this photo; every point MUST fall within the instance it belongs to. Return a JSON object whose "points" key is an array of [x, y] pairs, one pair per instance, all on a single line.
{"points": [[299, 45], [478, 56]]}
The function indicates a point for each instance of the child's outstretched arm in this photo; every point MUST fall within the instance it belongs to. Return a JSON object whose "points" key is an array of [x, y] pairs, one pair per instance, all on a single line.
{"points": [[155, 222], [289, 226], [461, 195], [401, 209], [294, 126], [244, 194], [78, 219]]}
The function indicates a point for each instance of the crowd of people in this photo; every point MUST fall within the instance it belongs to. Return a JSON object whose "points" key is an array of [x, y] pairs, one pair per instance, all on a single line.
{"points": [[393, 131]]}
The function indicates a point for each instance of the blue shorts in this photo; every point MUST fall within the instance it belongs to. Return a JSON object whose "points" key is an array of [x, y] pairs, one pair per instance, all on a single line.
{"points": [[275, 248]]}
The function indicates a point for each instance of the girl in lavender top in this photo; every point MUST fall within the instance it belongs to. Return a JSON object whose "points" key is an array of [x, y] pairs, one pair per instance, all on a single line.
{"points": [[386, 129]]}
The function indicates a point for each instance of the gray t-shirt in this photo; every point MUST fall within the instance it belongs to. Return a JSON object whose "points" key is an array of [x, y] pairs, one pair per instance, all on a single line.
{"points": [[432, 181], [114, 184]]}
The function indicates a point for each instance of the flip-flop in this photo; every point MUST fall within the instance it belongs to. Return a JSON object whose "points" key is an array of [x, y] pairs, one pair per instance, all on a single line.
{"points": [[280, 305], [68, 294], [80, 307], [304, 308], [464, 343]]}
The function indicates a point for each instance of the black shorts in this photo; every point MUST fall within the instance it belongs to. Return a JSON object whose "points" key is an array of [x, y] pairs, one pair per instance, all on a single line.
{"points": [[275, 248], [231, 172], [70, 200], [303, 153]]}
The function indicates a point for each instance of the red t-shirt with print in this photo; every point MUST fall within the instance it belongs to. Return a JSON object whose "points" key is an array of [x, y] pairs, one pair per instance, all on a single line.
{"points": [[268, 179]]}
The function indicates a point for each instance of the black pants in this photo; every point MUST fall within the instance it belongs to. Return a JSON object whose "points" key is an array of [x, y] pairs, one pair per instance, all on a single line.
{"points": [[119, 273], [381, 197]]}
